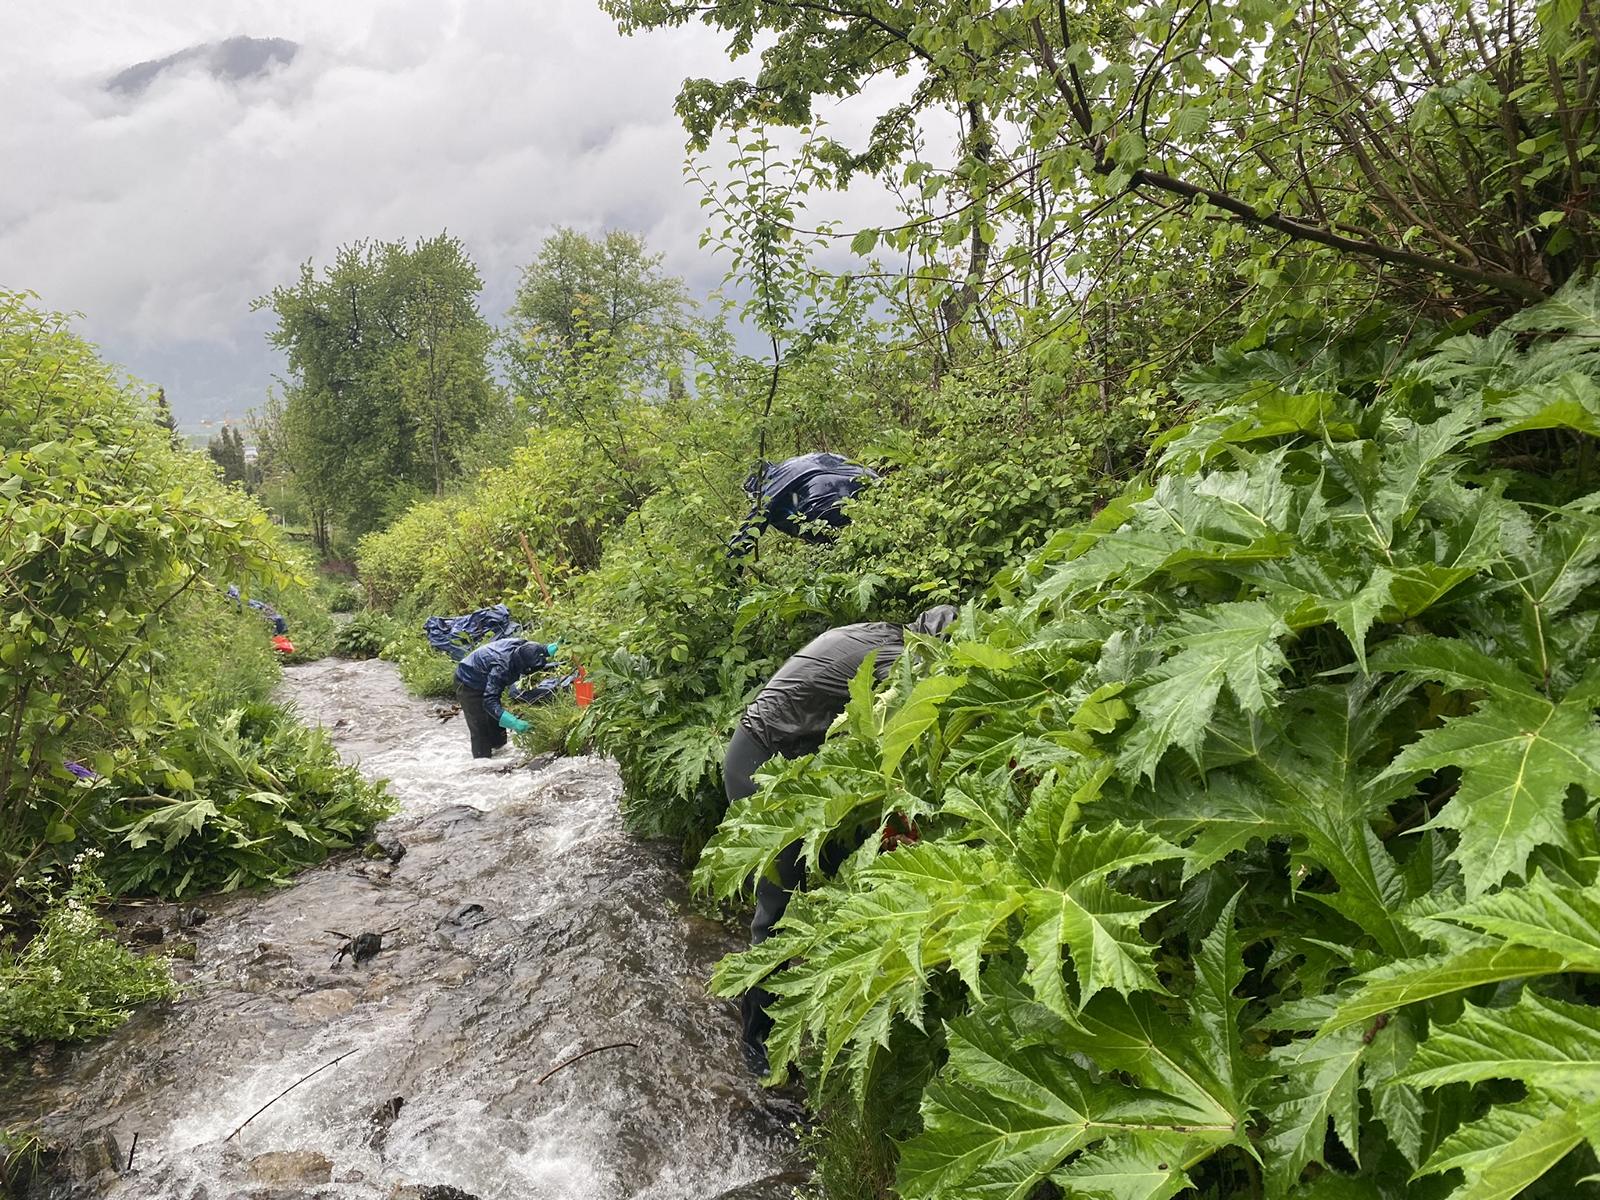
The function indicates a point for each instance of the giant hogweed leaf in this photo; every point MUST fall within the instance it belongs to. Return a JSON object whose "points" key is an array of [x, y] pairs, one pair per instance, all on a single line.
{"points": [[1504, 1152], [1219, 970], [1320, 595], [1132, 1034], [1541, 1042], [1009, 1109], [1574, 309], [1275, 413], [1569, 402], [1546, 915], [1067, 901], [1136, 1167], [807, 802], [1099, 926], [915, 717], [846, 963], [1320, 1077], [1411, 980], [1211, 820], [1309, 761], [1401, 1109], [1234, 643], [1517, 751], [1388, 484], [1553, 568], [1176, 527], [1551, 1046]]}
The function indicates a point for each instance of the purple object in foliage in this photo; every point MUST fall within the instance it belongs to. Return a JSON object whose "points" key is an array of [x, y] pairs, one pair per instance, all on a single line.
{"points": [[81, 771]]}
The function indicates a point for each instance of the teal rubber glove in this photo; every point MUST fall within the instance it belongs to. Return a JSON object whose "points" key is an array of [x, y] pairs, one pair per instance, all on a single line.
{"points": [[512, 722], [551, 648]]}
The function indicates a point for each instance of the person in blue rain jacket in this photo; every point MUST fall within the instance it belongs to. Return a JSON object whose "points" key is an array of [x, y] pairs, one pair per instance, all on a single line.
{"points": [[482, 679]]}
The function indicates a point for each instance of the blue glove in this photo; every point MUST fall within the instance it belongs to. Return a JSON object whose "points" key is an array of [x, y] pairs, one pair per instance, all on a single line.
{"points": [[514, 723], [551, 648]]}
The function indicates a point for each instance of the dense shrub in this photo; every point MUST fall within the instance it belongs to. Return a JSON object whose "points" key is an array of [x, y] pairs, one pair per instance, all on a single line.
{"points": [[364, 635], [1258, 824], [107, 526], [423, 669]]}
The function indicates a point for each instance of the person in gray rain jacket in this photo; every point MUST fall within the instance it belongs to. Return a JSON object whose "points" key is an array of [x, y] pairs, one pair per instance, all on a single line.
{"points": [[789, 718]]}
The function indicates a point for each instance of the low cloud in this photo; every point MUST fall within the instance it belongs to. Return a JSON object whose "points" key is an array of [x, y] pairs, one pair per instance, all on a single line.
{"points": [[159, 208]]}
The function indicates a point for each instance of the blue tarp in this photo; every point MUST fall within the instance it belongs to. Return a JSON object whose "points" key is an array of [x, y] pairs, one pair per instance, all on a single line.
{"points": [[799, 495], [542, 691], [456, 636]]}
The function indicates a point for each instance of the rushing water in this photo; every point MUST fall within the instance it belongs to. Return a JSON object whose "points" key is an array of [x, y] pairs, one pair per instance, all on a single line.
{"points": [[527, 927]]}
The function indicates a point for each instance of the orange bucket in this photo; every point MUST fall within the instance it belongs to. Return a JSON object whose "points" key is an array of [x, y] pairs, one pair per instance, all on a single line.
{"points": [[583, 690]]}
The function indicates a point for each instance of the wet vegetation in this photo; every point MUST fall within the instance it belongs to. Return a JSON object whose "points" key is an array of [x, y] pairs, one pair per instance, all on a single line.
{"points": [[1236, 367]]}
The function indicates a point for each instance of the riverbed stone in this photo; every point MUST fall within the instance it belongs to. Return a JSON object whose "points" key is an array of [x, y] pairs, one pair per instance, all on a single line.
{"points": [[97, 1154], [291, 1166], [324, 1004]]}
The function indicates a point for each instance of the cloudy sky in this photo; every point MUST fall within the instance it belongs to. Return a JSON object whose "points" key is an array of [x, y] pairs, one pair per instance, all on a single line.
{"points": [[160, 213]]}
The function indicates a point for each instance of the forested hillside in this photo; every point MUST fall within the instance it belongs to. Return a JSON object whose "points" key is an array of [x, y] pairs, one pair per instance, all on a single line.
{"points": [[1234, 367]]}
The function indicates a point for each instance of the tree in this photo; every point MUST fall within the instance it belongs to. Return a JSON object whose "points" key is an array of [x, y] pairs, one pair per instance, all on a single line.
{"points": [[388, 376], [165, 419], [588, 304], [1446, 148], [227, 451]]}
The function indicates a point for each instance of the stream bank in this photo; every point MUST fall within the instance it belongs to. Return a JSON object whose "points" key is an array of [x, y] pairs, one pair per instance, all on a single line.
{"points": [[521, 925]]}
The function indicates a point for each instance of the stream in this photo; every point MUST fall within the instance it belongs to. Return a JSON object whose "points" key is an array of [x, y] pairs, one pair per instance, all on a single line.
{"points": [[525, 926]]}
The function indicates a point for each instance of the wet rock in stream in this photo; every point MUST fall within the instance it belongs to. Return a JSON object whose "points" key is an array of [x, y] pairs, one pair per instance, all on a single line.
{"points": [[567, 934]]}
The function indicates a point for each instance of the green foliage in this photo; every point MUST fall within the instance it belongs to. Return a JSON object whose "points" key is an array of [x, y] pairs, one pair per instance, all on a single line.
{"points": [[1240, 791], [345, 599], [223, 799], [987, 484], [423, 669], [72, 981], [389, 378], [1446, 149], [105, 528], [364, 635]]}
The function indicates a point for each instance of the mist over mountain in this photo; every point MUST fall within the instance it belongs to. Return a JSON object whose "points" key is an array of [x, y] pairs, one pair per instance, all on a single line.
{"points": [[231, 60]]}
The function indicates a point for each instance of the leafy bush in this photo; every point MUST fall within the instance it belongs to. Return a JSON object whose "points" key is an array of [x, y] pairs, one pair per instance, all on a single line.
{"points": [[994, 477], [345, 599], [423, 669], [71, 981], [365, 635], [107, 526], [227, 799], [1258, 838]]}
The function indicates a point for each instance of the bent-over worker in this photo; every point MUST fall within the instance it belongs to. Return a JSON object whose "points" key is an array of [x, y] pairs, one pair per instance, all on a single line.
{"points": [[789, 718], [483, 677]]}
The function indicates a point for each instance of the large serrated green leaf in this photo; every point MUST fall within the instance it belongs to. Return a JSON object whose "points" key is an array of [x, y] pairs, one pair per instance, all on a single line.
{"points": [[1518, 753], [1413, 980], [1009, 1110], [1144, 1167], [1319, 1087], [915, 717], [1236, 644], [1539, 1041]]}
